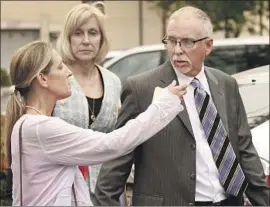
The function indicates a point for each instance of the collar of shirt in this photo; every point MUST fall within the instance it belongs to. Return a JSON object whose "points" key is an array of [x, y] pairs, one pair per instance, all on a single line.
{"points": [[183, 79]]}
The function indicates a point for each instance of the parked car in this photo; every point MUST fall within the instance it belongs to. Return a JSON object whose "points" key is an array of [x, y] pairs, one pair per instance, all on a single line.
{"points": [[111, 54], [260, 139], [231, 55], [254, 89], [260, 135]]}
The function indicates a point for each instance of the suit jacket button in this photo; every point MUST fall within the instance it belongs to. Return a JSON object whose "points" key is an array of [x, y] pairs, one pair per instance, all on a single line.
{"points": [[193, 176], [193, 146], [191, 204]]}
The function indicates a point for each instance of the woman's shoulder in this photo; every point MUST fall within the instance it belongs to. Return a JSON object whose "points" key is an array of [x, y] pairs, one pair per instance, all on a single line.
{"points": [[44, 124], [109, 74], [31, 119], [31, 122]]}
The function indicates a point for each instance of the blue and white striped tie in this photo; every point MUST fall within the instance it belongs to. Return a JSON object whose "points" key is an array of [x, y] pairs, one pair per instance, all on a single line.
{"points": [[231, 174]]}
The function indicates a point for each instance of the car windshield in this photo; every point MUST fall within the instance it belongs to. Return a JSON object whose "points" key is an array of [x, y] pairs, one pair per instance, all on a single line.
{"points": [[254, 90]]}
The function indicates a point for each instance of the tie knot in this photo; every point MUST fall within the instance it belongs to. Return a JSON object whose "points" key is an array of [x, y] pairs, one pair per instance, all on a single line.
{"points": [[196, 83]]}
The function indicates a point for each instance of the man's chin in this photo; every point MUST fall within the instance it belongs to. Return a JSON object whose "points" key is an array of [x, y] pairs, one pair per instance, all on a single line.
{"points": [[183, 70]]}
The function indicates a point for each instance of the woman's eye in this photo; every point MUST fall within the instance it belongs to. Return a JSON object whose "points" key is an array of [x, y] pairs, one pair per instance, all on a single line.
{"points": [[78, 33], [93, 33], [60, 66]]}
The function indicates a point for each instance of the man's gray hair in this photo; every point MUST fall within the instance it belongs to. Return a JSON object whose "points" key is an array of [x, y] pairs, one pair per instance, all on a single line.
{"points": [[207, 26]]}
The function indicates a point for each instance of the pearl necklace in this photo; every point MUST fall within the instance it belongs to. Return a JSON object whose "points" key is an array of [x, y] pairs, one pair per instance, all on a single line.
{"points": [[30, 107]]}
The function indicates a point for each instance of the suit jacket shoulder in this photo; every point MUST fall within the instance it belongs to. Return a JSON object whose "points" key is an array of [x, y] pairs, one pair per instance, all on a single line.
{"points": [[219, 74], [148, 75]]}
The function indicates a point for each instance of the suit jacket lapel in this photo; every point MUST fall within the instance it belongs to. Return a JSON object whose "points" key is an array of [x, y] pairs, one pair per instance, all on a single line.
{"points": [[217, 96], [167, 75]]}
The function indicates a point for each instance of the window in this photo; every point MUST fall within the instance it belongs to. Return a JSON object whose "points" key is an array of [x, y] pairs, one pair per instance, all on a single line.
{"points": [[238, 58], [257, 55], [226, 59], [53, 38], [135, 64]]}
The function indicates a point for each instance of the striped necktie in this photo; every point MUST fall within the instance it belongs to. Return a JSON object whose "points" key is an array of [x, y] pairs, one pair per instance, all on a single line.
{"points": [[231, 174]]}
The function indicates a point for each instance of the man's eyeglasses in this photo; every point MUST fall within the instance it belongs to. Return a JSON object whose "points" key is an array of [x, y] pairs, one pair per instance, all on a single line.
{"points": [[185, 43]]}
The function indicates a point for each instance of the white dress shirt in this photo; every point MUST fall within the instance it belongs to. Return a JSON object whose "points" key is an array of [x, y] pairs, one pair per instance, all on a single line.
{"points": [[208, 187], [52, 149]]}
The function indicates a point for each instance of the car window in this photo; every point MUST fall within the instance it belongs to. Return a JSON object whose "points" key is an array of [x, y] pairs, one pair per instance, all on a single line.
{"points": [[164, 56], [230, 59], [225, 58], [238, 58], [135, 64], [257, 55]]}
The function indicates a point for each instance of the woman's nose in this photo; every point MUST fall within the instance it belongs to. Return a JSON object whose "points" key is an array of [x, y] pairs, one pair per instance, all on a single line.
{"points": [[69, 72], [86, 39]]}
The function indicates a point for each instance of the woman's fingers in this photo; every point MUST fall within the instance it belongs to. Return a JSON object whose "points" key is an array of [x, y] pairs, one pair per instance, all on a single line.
{"points": [[180, 90]]}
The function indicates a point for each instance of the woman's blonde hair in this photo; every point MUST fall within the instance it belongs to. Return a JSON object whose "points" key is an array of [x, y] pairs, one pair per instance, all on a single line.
{"points": [[75, 18], [26, 63]]}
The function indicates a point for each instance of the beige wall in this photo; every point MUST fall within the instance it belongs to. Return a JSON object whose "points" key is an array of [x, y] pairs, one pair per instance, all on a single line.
{"points": [[30, 11], [122, 22]]}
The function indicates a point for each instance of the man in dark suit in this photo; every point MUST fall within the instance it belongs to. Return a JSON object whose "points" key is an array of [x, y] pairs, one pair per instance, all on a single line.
{"points": [[205, 156]]}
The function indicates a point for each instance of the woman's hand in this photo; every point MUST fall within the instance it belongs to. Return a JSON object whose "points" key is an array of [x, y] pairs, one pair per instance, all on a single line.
{"points": [[179, 90]]}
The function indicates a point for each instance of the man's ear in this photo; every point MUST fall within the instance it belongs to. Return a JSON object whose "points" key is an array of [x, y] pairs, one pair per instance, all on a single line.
{"points": [[42, 80], [208, 46]]}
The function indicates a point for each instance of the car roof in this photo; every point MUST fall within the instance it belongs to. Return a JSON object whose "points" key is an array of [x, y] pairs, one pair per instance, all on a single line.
{"points": [[217, 42], [114, 53]]}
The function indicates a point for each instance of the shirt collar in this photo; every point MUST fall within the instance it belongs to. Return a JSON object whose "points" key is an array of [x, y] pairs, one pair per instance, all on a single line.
{"points": [[183, 79]]}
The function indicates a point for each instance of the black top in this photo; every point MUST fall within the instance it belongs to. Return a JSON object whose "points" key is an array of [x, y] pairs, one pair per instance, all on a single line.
{"points": [[96, 105]]}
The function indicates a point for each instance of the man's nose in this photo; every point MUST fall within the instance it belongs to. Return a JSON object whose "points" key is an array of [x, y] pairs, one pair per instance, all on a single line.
{"points": [[178, 49]]}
